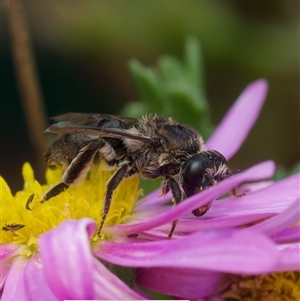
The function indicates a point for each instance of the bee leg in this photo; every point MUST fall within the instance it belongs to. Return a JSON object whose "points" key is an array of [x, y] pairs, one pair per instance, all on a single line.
{"points": [[112, 185], [77, 170], [165, 188], [202, 210], [54, 191], [177, 197], [233, 192]]}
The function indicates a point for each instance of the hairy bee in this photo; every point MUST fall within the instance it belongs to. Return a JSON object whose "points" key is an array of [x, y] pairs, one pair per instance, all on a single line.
{"points": [[152, 146]]}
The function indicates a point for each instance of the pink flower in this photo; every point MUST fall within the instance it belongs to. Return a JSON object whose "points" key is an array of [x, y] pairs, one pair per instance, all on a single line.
{"points": [[64, 268], [248, 235]]}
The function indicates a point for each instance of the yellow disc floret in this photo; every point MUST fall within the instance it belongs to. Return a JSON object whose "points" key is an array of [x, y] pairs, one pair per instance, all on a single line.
{"points": [[271, 287], [84, 200]]}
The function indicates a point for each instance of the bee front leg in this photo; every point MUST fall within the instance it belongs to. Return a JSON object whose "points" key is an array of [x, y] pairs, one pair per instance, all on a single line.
{"points": [[233, 191], [54, 191], [112, 185], [177, 197], [78, 169]]}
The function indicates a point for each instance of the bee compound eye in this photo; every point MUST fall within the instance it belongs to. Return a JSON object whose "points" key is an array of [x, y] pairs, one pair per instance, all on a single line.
{"points": [[193, 175]]}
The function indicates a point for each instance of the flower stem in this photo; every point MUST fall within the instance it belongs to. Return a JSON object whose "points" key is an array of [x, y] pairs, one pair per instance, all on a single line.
{"points": [[29, 87]]}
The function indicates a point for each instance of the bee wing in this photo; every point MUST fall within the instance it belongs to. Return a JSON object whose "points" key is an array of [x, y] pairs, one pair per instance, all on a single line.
{"points": [[89, 118], [66, 127]]}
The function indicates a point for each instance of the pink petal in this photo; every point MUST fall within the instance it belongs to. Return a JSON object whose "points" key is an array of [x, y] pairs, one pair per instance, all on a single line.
{"points": [[67, 260], [152, 198], [213, 298], [226, 250], [9, 250], [6, 252], [250, 187], [182, 283], [110, 287], [288, 235], [35, 283], [255, 205], [14, 288], [192, 224], [272, 199], [235, 126], [289, 259], [281, 221], [265, 170]]}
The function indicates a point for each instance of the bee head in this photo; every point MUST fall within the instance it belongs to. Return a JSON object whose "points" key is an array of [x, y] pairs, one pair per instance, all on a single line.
{"points": [[204, 170]]}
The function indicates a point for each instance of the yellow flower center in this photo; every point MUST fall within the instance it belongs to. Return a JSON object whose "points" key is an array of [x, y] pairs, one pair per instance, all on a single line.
{"points": [[276, 286], [84, 200]]}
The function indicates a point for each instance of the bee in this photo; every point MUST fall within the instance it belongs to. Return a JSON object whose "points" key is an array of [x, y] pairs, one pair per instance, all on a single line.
{"points": [[13, 227], [152, 146]]}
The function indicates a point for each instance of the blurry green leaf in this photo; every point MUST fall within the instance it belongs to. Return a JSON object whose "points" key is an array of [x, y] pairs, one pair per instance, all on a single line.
{"points": [[282, 172], [171, 71], [149, 185], [186, 114], [155, 295], [194, 71], [148, 85], [134, 109], [175, 89], [295, 169], [126, 274], [194, 64]]}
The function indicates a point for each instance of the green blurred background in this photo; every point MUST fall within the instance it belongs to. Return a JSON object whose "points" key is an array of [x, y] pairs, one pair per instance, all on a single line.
{"points": [[82, 50]]}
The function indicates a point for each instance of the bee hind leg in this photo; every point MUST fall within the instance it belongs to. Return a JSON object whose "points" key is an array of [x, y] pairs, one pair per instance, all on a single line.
{"points": [[77, 170], [112, 185]]}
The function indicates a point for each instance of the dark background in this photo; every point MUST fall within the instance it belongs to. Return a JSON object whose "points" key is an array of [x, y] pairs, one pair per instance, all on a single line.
{"points": [[82, 48]]}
